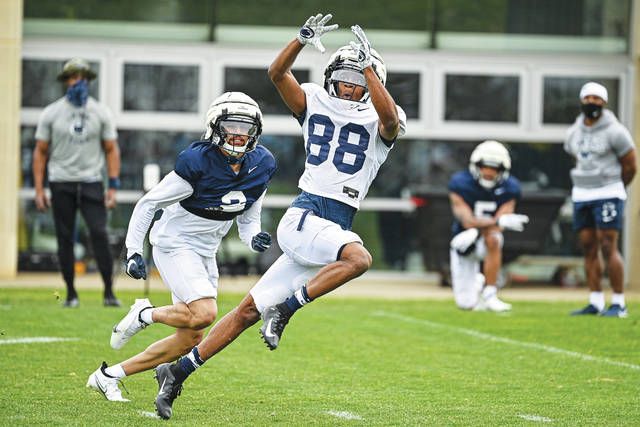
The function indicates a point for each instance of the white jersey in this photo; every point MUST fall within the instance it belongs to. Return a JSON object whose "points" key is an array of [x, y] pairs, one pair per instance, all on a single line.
{"points": [[343, 146]]}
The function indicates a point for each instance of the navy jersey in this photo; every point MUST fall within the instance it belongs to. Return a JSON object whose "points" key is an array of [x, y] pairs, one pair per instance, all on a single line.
{"points": [[218, 192], [483, 202]]}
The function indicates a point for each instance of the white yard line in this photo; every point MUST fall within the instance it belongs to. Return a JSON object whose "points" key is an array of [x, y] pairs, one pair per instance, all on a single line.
{"points": [[535, 418], [35, 340], [344, 415], [495, 338]]}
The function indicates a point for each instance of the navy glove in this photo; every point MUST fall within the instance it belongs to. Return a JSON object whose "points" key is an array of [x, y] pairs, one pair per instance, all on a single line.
{"points": [[261, 241], [135, 267]]}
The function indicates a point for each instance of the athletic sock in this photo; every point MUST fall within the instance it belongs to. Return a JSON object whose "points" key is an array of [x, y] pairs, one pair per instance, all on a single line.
{"points": [[597, 300], [146, 315], [489, 291], [115, 371], [618, 299], [187, 364], [298, 299]]}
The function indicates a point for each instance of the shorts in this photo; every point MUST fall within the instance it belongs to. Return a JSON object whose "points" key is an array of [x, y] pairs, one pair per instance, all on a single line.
{"points": [[188, 275], [600, 214], [309, 243]]}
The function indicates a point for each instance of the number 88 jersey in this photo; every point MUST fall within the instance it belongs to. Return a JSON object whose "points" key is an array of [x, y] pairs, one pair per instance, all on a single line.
{"points": [[343, 146]]}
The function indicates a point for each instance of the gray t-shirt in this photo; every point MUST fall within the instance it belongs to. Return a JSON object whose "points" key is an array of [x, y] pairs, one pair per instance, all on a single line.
{"points": [[75, 136], [597, 150]]}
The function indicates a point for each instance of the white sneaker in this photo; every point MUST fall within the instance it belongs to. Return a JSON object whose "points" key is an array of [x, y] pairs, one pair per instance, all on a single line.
{"points": [[130, 325], [105, 385], [493, 303]]}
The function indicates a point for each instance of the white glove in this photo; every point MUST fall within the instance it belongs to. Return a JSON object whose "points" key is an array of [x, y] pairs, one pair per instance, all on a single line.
{"points": [[313, 29], [513, 222], [463, 242], [363, 49]]}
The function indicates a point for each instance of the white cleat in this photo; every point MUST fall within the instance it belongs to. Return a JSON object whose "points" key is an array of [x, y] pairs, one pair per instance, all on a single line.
{"points": [[130, 325], [105, 385], [493, 303]]}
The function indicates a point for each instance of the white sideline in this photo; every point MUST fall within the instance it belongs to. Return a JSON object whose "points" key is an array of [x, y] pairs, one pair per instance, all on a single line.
{"points": [[344, 415], [35, 340], [535, 418], [489, 337]]}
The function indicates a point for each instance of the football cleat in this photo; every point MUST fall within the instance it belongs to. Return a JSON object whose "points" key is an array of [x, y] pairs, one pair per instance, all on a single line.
{"points": [[168, 390], [111, 301], [590, 309], [105, 385], [493, 303], [130, 325], [274, 318], [615, 310], [71, 303]]}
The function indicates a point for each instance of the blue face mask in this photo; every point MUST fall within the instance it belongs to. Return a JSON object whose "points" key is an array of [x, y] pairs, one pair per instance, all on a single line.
{"points": [[78, 93]]}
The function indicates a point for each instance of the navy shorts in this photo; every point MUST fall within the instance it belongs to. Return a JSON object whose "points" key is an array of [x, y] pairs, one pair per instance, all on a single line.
{"points": [[601, 214]]}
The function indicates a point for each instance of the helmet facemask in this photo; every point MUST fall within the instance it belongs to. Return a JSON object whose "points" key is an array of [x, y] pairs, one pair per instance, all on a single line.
{"points": [[236, 134], [344, 67]]}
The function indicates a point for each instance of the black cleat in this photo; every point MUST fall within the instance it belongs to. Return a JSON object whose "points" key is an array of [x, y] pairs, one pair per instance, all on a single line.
{"points": [[111, 301], [275, 318], [168, 390]]}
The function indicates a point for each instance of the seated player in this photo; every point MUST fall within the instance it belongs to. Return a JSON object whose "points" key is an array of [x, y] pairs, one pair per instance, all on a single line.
{"points": [[483, 200], [223, 177]]}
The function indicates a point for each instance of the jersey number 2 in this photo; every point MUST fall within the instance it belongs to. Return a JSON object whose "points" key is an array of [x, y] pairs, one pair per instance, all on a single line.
{"points": [[344, 146]]}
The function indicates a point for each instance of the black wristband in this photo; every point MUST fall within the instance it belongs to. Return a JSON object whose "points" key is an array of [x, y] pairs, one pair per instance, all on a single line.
{"points": [[114, 183]]}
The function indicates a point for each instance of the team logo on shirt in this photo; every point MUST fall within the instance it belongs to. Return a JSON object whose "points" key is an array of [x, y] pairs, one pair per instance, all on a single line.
{"points": [[77, 128]]}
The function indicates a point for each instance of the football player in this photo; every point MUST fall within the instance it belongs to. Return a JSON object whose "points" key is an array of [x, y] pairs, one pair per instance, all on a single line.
{"points": [[483, 200], [221, 178], [349, 126]]}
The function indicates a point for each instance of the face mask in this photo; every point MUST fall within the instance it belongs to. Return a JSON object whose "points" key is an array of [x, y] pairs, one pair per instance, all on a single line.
{"points": [[591, 111], [78, 93]]}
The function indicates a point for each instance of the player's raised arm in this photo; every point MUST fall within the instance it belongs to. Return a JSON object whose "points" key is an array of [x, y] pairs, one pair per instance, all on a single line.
{"points": [[380, 98], [280, 69]]}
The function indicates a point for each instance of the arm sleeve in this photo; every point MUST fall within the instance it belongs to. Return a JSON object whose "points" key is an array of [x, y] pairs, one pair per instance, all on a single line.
{"points": [[249, 222], [43, 131], [622, 142], [109, 131], [170, 190]]}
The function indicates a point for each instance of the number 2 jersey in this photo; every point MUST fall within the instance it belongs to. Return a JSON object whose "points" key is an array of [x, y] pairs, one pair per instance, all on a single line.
{"points": [[201, 197], [343, 146], [482, 201]]}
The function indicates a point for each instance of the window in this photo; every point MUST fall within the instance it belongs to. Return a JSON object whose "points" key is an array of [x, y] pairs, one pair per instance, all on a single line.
{"points": [[560, 100], [139, 147], [150, 87], [481, 98], [405, 89], [256, 83], [39, 84]]}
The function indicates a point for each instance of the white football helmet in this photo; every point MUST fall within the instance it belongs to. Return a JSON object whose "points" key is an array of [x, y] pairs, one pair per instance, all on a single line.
{"points": [[233, 113], [492, 154], [343, 66]]}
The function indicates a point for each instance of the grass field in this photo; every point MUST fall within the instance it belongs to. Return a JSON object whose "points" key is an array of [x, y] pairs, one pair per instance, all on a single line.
{"points": [[341, 362]]}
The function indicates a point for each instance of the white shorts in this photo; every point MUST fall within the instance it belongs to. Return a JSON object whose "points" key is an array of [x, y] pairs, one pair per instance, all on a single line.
{"points": [[466, 279], [307, 250], [188, 275]]}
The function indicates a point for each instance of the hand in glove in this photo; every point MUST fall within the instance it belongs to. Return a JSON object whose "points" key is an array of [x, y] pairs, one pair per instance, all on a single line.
{"points": [[313, 29], [514, 222], [363, 48], [261, 241], [465, 242], [135, 267]]}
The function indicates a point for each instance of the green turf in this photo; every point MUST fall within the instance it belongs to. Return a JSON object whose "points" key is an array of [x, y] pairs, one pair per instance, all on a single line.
{"points": [[385, 362]]}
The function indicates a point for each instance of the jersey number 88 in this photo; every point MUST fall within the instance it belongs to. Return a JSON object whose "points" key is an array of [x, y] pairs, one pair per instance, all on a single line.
{"points": [[344, 147]]}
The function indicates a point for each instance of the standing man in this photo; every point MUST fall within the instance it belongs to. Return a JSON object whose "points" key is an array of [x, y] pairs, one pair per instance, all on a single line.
{"points": [[483, 200], [605, 165], [75, 135], [349, 126], [222, 177]]}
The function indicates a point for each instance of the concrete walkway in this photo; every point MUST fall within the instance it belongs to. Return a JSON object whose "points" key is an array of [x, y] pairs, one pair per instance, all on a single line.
{"points": [[374, 284]]}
